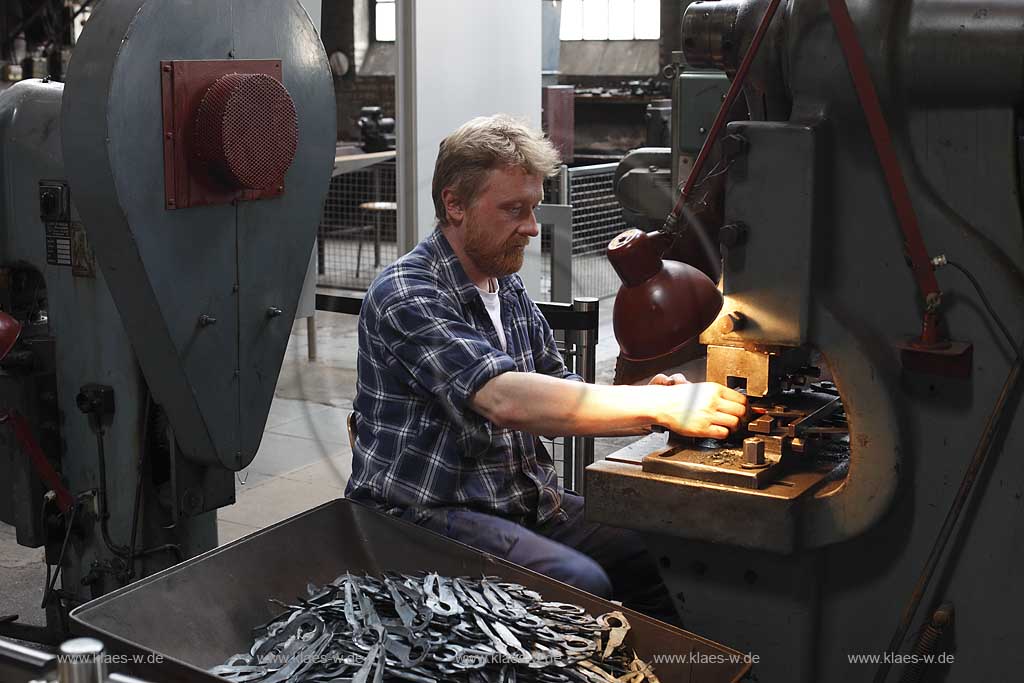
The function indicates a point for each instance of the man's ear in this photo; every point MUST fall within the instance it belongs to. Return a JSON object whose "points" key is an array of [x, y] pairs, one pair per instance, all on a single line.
{"points": [[453, 206]]}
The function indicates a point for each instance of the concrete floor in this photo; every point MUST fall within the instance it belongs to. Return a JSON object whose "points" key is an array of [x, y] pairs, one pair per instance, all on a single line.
{"points": [[304, 459]]}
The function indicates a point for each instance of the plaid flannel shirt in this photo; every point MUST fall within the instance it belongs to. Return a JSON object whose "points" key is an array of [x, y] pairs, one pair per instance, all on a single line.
{"points": [[426, 345]]}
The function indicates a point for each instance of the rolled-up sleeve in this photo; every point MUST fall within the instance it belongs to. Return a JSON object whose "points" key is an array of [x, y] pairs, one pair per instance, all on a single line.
{"points": [[442, 357]]}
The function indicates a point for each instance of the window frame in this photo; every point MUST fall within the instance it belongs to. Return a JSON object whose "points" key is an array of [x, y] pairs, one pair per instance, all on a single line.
{"points": [[584, 39], [373, 20]]}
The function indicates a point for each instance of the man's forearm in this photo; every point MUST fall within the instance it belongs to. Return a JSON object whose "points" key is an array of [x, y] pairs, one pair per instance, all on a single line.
{"points": [[540, 404]]}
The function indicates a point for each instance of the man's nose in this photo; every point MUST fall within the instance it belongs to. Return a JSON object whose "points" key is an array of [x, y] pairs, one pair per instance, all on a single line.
{"points": [[531, 227]]}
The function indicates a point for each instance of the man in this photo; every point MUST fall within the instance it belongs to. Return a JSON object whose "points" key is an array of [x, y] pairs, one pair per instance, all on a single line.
{"points": [[458, 372]]}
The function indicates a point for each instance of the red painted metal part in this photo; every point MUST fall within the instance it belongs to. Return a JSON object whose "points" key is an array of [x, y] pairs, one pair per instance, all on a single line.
{"points": [[880, 134], [675, 301], [256, 131], [723, 113], [43, 468]]}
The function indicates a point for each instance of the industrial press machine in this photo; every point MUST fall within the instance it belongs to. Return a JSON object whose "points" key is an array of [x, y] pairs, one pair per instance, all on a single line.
{"points": [[862, 210], [158, 215]]}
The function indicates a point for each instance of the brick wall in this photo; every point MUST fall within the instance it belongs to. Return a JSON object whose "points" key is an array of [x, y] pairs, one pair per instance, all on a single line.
{"points": [[352, 92]]}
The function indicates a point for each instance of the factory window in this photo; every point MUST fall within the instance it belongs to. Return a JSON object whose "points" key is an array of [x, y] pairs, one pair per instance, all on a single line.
{"points": [[384, 20], [611, 20]]}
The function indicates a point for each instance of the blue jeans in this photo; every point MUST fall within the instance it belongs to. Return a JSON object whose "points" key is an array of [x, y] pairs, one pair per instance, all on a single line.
{"points": [[609, 562]]}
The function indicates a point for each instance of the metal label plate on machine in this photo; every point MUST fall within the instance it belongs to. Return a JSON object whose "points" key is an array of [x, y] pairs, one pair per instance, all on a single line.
{"points": [[68, 245], [66, 240]]}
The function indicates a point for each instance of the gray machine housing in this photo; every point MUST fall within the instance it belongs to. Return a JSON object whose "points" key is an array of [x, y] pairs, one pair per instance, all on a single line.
{"points": [[807, 582], [111, 287]]}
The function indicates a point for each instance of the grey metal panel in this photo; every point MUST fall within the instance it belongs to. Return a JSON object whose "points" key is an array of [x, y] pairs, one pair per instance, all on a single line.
{"points": [[699, 96], [715, 586], [275, 238], [166, 268], [772, 190], [559, 217]]}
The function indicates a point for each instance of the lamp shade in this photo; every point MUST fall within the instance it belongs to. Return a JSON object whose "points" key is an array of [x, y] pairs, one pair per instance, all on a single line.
{"points": [[661, 304], [10, 328]]}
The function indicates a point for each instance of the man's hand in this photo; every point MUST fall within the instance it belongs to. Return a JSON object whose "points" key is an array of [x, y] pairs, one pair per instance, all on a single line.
{"points": [[706, 410], [666, 381]]}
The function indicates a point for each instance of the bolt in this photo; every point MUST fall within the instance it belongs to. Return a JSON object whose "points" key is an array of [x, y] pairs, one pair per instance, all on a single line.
{"points": [[273, 312], [166, 67], [753, 452], [703, 130], [207, 320], [169, 135], [733, 322]]}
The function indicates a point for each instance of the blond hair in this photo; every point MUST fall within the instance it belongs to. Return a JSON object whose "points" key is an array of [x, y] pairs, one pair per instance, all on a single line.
{"points": [[482, 144]]}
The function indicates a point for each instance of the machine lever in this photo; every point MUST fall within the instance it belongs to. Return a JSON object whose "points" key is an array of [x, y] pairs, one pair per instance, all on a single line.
{"points": [[42, 466]]}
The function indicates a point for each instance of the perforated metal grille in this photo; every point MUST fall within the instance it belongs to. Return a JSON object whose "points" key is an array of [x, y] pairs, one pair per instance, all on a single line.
{"points": [[247, 129]]}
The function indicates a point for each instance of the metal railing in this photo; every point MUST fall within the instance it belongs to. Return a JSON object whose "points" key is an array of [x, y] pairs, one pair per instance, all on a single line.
{"points": [[576, 326], [357, 236], [596, 220], [580, 216]]}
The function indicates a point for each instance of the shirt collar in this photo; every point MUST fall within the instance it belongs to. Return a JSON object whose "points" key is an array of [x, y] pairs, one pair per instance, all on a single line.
{"points": [[453, 271]]}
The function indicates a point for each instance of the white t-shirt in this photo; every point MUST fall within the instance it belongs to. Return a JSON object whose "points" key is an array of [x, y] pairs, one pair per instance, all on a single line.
{"points": [[493, 306]]}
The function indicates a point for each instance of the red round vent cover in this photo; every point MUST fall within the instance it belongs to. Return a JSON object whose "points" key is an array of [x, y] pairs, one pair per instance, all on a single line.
{"points": [[247, 130]]}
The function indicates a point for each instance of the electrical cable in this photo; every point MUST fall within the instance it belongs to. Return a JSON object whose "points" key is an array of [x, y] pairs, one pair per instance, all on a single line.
{"points": [[984, 300], [138, 487], [69, 522], [119, 551], [42, 525]]}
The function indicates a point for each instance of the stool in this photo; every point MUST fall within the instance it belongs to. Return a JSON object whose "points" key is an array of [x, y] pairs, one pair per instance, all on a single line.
{"points": [[375, 209], [326, 233]]}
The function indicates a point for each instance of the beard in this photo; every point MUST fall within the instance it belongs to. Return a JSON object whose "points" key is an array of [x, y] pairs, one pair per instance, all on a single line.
{"points": [[494, 260]]}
